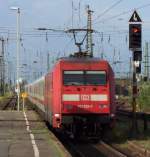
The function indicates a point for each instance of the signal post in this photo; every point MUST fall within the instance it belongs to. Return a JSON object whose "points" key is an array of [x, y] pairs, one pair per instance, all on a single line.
{"points": [[24, 96], [135, 45]]}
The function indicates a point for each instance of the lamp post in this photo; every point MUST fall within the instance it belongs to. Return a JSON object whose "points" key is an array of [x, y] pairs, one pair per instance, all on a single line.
{"points": [[17, 54]]}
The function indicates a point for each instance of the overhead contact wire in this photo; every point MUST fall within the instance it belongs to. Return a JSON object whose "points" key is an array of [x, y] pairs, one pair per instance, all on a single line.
{"points": [[108, 9], [123, 13]]}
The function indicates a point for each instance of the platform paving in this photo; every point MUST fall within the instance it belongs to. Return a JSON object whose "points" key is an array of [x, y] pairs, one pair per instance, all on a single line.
{"points": [[16, 140]]}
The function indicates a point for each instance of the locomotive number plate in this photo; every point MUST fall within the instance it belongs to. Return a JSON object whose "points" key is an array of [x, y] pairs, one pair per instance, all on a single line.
{"points": [[85, 97], [85, 106]]}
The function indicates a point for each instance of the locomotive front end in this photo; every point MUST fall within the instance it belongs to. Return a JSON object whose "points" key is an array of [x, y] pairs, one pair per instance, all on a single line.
{"points": [[87, 95]]}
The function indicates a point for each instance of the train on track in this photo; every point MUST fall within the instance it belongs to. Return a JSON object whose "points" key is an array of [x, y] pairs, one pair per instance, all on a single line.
{"points": [[77, 95]]}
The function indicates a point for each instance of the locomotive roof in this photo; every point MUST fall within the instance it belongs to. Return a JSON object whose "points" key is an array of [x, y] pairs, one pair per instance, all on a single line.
{"points": [[82, 59]]}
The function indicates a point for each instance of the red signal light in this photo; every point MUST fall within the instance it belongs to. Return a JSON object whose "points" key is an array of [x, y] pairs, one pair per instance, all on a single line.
{"points": [[135, 30]]}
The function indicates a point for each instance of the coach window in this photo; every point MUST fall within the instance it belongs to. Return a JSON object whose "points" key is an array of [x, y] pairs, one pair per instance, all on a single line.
{"points": [[73, 78], [95, 78]]}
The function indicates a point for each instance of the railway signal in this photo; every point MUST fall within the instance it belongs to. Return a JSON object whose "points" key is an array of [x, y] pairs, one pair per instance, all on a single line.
{"points": [[135, 35], [135, 45]]}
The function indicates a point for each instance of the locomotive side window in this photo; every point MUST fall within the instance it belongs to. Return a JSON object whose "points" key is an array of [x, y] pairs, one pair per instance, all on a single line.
{"points": [[95, 78], [84, 78], [73, 78]]}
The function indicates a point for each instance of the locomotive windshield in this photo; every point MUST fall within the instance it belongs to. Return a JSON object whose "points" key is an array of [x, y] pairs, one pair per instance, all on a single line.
{"points": [[84, 78], [95, 77], [73, 77]]}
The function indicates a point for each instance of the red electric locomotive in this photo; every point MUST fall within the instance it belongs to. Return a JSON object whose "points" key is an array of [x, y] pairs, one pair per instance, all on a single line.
{"points": [[77, 95]]}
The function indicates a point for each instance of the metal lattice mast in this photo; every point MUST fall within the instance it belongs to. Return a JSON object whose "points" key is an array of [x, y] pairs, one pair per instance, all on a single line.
{"points": [[2, 67], [89, 32], [148, 62], [146, 65]]}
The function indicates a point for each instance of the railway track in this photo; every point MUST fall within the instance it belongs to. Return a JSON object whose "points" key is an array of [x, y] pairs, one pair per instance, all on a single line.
{"points": [[133, 150], [115, 150], [103, 149], [100, 149], [89, 149], [108, 150], [11, 104], [142, 151]]}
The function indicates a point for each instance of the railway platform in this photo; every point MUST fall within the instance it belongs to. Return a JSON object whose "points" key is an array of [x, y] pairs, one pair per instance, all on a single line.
{"points": [[24, 134]]}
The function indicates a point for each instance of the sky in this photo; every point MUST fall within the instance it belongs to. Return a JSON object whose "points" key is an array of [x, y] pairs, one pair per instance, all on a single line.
{"points": [[110, 18]]}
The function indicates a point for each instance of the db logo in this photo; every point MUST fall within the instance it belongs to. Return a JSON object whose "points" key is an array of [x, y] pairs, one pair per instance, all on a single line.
{"points": [[85, 97]]}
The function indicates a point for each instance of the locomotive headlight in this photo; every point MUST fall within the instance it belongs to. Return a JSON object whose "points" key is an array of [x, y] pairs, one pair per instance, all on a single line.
{"points": [[57, 115]]}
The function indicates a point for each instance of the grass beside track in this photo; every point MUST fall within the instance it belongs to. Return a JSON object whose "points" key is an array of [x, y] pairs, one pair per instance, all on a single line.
{"points": [[7, 95]]}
